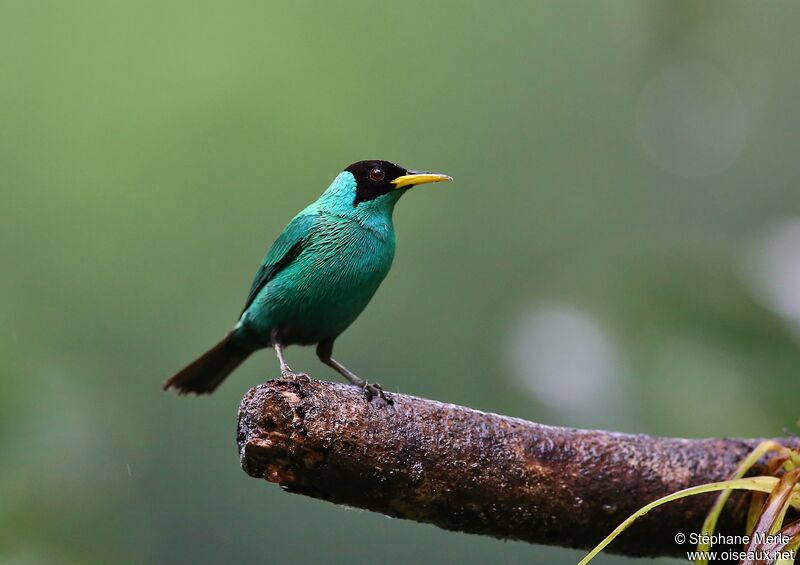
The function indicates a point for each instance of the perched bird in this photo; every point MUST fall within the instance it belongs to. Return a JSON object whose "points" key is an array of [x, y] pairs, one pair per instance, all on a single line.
{"points": [[317, 278]]}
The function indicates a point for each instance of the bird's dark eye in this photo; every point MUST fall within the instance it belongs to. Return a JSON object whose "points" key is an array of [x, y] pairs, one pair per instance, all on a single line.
{"points": [[376, 174]]}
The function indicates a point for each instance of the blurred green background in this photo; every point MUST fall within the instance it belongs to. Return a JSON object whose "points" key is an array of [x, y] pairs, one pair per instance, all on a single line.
{"points": [[621, 247]]}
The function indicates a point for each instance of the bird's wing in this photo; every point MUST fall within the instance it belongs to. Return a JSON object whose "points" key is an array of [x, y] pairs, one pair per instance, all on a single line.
{"points": [[286, 248]]}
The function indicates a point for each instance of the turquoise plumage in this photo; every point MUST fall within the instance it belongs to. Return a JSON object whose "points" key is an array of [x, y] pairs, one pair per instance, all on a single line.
{"points": [[317, 277]]}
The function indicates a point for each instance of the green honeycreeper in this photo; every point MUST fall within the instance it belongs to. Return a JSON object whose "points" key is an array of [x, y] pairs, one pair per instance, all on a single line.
{"points": [[317, 277]]}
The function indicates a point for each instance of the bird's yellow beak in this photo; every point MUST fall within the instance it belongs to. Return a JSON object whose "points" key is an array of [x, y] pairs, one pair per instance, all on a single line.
{"points": [[414, 178]]}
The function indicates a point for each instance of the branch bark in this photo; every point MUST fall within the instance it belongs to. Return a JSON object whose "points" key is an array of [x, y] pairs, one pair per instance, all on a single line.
{"points": [[481, 473]]}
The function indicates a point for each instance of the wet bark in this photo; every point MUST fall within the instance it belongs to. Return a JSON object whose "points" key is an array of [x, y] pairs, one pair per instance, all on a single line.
{"points": [[482, 473]]}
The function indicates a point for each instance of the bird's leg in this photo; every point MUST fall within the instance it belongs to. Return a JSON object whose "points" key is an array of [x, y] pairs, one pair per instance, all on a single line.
{"points": [[286, 370], [325, 352]]}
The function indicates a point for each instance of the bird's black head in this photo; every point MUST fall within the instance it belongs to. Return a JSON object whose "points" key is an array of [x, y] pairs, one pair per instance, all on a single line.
{"points": [[375, 178]]}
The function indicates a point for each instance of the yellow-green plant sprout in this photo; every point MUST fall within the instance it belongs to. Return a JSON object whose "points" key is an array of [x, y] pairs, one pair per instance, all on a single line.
{"points": [[771, 518], [766, 513], [758, 484], [710, 523]]}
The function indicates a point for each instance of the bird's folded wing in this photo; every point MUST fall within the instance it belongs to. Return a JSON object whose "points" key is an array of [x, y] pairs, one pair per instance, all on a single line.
{"points": [[286, 248]]}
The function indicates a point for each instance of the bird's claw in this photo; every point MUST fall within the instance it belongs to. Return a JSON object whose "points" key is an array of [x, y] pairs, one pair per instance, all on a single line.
{"points": [[373, 390], [292, 376]]}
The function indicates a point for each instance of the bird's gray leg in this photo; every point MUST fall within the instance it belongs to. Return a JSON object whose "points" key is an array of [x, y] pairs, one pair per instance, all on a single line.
{"points": [[286, 370], [325, 352]]}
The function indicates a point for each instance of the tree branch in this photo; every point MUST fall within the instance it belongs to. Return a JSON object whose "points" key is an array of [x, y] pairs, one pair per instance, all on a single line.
{"points": [[470, 471]]}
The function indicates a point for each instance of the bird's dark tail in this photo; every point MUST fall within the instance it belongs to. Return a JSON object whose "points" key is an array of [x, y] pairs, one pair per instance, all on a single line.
{"points": [[205, 373]]}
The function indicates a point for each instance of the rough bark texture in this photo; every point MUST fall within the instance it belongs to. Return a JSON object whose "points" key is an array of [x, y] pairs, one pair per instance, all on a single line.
{"points": [[470, 471]]}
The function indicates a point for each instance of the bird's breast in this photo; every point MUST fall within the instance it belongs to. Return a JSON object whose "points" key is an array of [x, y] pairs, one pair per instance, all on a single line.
{"points": [[329, 284]]}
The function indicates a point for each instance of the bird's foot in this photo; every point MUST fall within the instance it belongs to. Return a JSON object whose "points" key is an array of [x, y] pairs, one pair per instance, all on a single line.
{"points": [[290, 375], [374, 390]]}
